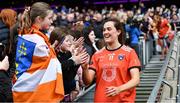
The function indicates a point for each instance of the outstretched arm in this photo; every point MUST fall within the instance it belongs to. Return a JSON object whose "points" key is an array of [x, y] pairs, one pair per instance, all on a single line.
{"points": [[88, 74]]}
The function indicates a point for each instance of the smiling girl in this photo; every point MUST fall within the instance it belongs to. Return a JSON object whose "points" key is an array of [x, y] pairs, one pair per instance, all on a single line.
{"points": [[39, 75]]}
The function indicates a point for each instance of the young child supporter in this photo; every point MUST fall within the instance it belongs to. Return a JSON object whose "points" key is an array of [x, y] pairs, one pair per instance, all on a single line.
{"points": [[39, 74], [71, 55]]}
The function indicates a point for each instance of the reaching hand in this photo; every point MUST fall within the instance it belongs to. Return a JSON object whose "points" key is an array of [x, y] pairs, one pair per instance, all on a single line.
{"points": [[86, 63], [78, 42], [78, 50], [4, 64], [80, 58], [55, 44]]}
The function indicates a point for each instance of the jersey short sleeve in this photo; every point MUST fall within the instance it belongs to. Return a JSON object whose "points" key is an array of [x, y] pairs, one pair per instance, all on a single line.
{"points": [[134, 60], [93, 63]]}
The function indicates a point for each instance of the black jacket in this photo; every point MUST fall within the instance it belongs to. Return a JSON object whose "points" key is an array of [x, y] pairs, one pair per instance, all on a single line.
{"points": [[69, 71], [4, 32], [5, 81], [4, 37]]}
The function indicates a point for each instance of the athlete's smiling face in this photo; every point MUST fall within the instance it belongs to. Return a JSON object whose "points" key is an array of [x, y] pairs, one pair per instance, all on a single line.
{"points": [[110, 33]]}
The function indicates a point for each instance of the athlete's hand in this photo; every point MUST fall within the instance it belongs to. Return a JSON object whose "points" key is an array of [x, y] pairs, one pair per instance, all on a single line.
{"points": [[85, 65], [112, 91], [80, 58]]}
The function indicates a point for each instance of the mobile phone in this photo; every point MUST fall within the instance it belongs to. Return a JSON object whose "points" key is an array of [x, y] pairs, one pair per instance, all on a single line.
{"points": [[2, 51]]}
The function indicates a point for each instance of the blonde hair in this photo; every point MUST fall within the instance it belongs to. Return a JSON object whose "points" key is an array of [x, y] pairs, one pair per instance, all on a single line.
{"points": [[28, 17]]}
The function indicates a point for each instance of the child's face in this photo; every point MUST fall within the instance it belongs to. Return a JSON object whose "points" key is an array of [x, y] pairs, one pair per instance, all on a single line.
{"points": [[66, 44], [92, 36], [47, 21]]}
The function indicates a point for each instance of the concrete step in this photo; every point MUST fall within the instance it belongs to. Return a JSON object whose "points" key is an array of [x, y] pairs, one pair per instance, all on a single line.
{"points": [[147, 82], [141, 101], [143, 92], [152, 68], [146, 85], [154, 65], [148, 79], [144, 89], [150, 74], [156, 62], [147, 76], [142, 96]]}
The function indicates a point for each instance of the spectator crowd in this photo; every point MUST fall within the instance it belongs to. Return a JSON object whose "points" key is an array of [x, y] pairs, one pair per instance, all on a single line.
{"points": [[44, 52]]}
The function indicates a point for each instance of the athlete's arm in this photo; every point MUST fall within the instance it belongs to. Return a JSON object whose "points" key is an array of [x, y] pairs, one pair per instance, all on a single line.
{"points": [[135, 79], [88, 74]]}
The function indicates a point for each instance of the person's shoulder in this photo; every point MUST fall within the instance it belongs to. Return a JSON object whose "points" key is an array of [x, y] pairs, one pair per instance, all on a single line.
{"points": [[3, 27], [35, 38], [126, 48], [100, 51], [1, 23]]}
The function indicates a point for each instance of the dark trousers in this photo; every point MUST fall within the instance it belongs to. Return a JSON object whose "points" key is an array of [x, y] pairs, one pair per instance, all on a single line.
{"points": [[5, 87]]}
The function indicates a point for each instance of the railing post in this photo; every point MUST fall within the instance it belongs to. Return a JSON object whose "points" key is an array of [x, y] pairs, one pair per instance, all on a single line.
{"points": [[172, 71], [178, 34], [174, 61], [178, 84], [144, 51], [141, 50], [171, 88]]}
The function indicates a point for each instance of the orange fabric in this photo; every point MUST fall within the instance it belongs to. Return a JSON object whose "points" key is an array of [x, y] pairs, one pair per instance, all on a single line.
{"points": [[58, 84], [35, 30], [38, 63], [163, 28], [112, 69], [41, 62], [52, 91], [42, 94]]}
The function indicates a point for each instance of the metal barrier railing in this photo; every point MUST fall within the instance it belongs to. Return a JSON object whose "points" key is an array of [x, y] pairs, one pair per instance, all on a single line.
{"points": [[178, 77], [178, 85], [161, 81], [146, 50]]}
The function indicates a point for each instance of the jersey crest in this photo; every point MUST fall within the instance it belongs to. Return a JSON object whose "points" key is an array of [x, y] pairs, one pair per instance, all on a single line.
{"points": [[120, 57]]}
